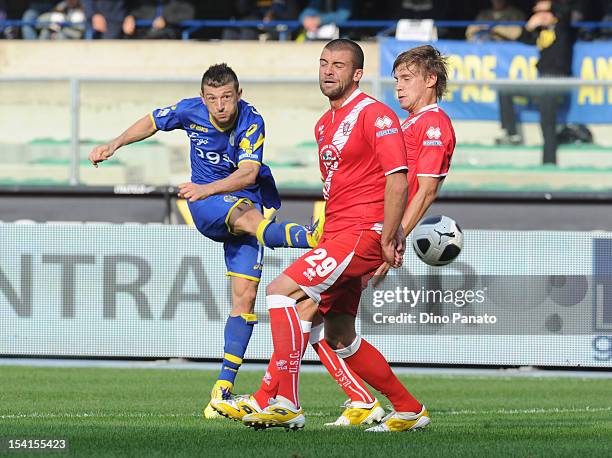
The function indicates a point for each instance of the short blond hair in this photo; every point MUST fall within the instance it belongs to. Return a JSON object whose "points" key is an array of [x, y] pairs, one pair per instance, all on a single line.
{"points": [[429, 61]]}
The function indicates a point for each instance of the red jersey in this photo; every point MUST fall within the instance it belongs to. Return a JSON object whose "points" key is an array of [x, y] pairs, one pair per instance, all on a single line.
{"points": [[430, 141], [359, 144]]}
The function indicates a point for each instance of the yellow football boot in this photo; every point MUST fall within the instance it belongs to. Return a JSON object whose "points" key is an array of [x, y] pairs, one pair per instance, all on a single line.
{"points": [[359, 413], [222, 389], [279, 414], [402, 421], [236, 407]]}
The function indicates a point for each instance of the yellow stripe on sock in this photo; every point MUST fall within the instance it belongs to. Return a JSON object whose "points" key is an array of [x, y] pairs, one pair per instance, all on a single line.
{"points": [[260, 231], [232, 359], [249, 317], [287, 233]]}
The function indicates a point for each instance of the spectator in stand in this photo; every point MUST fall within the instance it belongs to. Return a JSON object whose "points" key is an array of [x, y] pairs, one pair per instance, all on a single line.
{"points": [[106, 17], [500, 10], [51, 27], [165, 14], [418, 9], [35, 9], [319, 13], [550, 29], [260, 10]]}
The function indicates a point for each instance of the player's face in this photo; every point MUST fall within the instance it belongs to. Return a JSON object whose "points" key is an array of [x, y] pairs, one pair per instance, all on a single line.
{"points": [[414, 90], [337, 77], [222, 102]]}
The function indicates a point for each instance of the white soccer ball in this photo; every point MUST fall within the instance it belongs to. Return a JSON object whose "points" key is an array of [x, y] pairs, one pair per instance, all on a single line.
{"points": [[437, 240]]}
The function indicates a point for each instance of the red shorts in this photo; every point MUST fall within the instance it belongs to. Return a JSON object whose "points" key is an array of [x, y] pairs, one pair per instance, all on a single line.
{"points": [[331, 274]]}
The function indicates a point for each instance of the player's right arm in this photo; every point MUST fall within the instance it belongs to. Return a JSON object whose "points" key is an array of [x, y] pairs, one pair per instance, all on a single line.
{"points": [[141, 129], [385, 137], [168, 118]]}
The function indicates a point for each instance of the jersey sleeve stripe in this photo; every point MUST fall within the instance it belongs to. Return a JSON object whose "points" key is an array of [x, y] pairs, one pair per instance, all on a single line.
{"points": [[397, 169], [431, 175], [249, 160], [153, 121], [258, 143]]}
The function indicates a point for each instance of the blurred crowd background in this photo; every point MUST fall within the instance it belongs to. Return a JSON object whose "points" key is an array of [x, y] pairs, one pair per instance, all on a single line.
{"points": [[166, 19]]}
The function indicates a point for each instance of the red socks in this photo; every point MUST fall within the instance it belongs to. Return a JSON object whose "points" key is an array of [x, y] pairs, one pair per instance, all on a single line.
{"points": [[269, 382], [350, 382], [288, 345], [372, 366]]}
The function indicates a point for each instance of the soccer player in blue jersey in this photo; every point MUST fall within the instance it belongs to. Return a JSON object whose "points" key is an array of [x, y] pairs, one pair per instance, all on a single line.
{"points": [[228, 190]]}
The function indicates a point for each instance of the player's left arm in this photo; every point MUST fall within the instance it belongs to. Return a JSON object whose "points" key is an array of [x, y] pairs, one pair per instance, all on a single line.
{"points": [[243, 177], [250, 156], [433, 142]]}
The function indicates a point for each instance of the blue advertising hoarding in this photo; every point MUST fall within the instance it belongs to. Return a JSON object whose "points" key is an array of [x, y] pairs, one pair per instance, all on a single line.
{"points": [[515, 61]]}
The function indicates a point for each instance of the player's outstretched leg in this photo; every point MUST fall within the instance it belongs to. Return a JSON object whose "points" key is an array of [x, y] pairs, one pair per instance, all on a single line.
{"points": [[372, 366], [237, 334], [246, 219]]}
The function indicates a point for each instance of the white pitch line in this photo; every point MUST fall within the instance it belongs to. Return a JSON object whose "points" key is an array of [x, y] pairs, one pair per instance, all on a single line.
{"points": [[19, 416], [524, 411]]}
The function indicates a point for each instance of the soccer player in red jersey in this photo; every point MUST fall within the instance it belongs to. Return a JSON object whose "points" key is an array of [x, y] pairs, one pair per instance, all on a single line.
{"points": [[363, 162], [421, 75]]}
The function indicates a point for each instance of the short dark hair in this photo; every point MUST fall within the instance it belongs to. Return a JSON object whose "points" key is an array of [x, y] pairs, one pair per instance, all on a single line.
{"points": [[219, 75], [348, 45], [429, 61]]}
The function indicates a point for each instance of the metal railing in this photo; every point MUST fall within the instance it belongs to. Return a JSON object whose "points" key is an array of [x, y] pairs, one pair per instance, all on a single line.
{"points": [[376, 83]]}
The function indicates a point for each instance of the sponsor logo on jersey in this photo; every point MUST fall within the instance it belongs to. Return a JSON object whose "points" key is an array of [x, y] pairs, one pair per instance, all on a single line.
{"points": [[384, 122], [382, 133], [433, 133], [197, 140], [251, 130], [258, 267], [310, 273], [230, 198], [346, 128], [198, 128], [232, 137], [321, 139], [281, 365], [321, 128], [432, 143], [162, 113]]}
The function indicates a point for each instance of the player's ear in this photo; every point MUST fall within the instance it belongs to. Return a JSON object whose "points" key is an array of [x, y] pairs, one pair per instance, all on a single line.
{"points": [[357, 75], [239, 93], [431, 80]]}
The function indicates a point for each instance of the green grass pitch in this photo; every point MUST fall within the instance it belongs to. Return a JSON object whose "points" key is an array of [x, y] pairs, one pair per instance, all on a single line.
{"points": [[149, 412]]}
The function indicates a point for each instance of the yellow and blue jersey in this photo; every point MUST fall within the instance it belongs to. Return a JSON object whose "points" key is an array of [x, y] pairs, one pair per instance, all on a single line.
{"points": [[216, 152]]}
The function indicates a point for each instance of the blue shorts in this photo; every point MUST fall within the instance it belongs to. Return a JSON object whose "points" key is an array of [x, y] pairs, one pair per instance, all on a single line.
{"points": [[243, 253]]}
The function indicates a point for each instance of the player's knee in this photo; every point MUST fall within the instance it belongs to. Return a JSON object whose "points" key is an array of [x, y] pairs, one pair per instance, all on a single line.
{"points": [[245, 219], [244, 299], [339, 340], [344, 350]]}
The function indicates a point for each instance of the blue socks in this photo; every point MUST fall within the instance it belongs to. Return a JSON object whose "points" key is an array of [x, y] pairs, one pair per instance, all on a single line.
{"points": [[238, 331], [284, 234]]}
